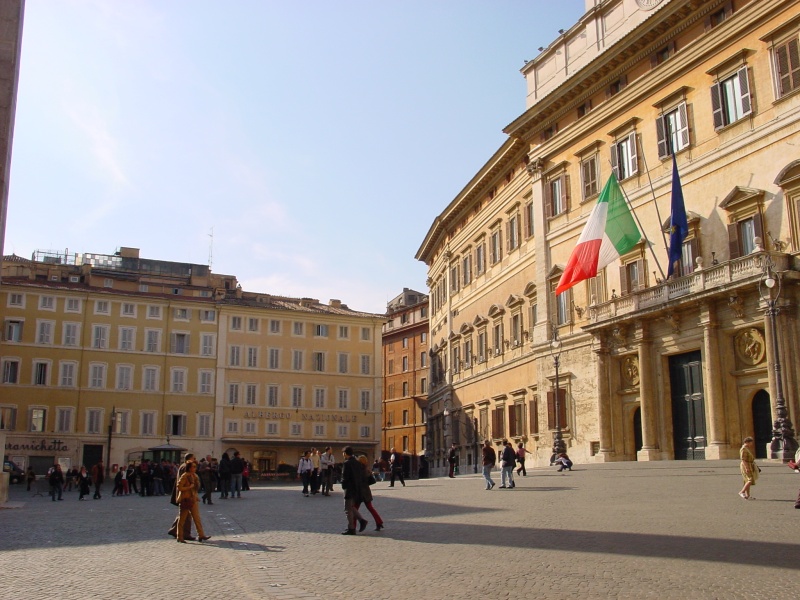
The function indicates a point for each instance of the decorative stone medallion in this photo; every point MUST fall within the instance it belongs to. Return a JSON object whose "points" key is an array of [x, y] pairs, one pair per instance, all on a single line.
{"points": [[750, 346]]}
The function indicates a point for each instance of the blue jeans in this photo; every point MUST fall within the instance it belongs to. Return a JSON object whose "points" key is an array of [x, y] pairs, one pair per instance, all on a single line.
{"points": [[507, 477], [487, 475], [236, 484]]}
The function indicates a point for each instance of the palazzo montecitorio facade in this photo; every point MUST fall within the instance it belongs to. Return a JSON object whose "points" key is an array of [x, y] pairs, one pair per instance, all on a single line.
{"points": [[651, 368]]}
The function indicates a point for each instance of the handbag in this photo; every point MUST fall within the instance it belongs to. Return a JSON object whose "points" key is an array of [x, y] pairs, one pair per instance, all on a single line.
{"points": [[371, 480]]}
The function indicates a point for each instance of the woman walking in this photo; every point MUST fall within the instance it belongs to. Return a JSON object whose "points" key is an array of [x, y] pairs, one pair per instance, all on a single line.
{"points": [[748, 467], [84, 483], [365, 496], [188, 485]]}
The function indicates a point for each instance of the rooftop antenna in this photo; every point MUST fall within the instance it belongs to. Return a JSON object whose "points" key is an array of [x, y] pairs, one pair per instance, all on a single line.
{"points": [[211, 248]]}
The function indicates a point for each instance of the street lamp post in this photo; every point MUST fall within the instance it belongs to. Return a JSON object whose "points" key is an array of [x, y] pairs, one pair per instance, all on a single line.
{"points": [[555, 352], [110, 433], [783, 444]]}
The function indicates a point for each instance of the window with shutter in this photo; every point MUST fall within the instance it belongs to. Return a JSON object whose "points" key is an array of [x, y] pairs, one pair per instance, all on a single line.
{"points": [[787, 66], [562, 409], [672, 131], [731, 99]]}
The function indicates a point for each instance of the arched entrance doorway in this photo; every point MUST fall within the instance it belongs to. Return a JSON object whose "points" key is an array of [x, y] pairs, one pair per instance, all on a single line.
{"points": [[762, 422]]}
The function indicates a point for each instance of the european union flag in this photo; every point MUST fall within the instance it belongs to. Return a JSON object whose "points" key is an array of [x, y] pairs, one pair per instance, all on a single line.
{"points": [[678, 226]]}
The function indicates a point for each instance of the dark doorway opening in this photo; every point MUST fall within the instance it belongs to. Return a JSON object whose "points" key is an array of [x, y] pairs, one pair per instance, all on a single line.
{"points": [[762, 422], [637, 430], [92, 454]]}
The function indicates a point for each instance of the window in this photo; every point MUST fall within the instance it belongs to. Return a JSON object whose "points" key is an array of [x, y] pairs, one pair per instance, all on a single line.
{"points": [[252, 357], [662, 54], [632, 276], [124, 377], [233, 393], [153, 312], [454, 278], [13, 331], [405, 364], [234, 356], [786, 59], [364, 431], [128, 309], [150, 379], [423, 337], [206, 382], [624, 161], [689, 251], [40, 373], [365, 400], [204, 425], [208, 316], [274, 326], [745, 232], [423, 386], [250, 394], [73, 305], [480, 258], [176, 424], [274, 358], [94, 420], [272, 395], [126, 338], [236, 323], [343, 431], [497, 338], [97, 376], [528, 216], [147, 423], [297, 397], [180, 343], [596, 288], [296, 429], [297, 328], [319, 430], [584, 109], [47, 303], [672, 129], [70, 334], [516, 329], [344, 332], [495, 246], [297, 360], [390, 368], [178, 380], [8, 418], [66, 375], [250, 427], [718, 17], [108, 282], [153, 340], [512, 232], [143, 287], [366, 334], [344, 398], [589, 176], [252, 324], [405, 342], [232, 426], [100, 336], [45, 332], [405, 388], [122, 421], [321, 331], [38, 419], [730, 99], [64, 420], [17, 300], [557, 195], [423, 359], [319, 361], [319, 398], [272, 429], [182, 314], [101, 307], [365, 364], [456, 358], [343, 362], [207, 344]]}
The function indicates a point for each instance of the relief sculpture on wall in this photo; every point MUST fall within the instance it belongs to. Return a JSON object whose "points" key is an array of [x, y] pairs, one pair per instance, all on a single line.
{"points": [[750, 347]]}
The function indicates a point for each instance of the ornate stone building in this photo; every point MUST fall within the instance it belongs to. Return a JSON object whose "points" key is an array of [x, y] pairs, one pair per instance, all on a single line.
{"points": [[651, 368]]}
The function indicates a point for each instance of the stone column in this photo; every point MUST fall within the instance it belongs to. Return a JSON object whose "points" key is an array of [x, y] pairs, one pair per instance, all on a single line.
{"points": [[718, 446], [604, 402], [647, 396]]}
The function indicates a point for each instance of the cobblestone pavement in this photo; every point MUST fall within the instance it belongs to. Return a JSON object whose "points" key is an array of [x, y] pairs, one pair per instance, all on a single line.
{"points": [[620, 530]]}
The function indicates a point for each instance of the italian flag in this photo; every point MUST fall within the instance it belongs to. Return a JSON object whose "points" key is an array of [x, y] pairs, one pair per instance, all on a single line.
{"points": [[610, 232]]}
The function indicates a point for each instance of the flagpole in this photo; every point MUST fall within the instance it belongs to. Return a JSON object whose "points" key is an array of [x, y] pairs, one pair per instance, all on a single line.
{"points": [[658, 212], [639, 223]]}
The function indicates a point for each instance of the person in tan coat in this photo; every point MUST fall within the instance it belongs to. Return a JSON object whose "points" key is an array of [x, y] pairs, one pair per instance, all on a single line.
{"points": [[188, 485]]}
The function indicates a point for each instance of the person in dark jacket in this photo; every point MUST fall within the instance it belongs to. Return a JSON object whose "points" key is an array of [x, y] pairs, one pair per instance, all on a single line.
{"points": [[508, 461], [84, 483], [353, 481], [98, 476], [187, 523], [237, 468], [224, 473], [56, 481]]}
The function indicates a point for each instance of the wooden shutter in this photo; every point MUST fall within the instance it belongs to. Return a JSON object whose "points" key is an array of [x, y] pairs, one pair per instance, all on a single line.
{"points": [[758, 228], [562, 409], [548, 200], [683, 129], [716, 106], [744, 86], [527, 220], [733, 241], [533, 417], [632, 147], [615, 159], [661, 134], [512, 422], [565, 192], [694, 245], [623, 280]]}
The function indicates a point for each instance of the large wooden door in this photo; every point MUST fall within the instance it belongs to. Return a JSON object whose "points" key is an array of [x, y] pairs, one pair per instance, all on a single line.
{"points": [[688, 406]]}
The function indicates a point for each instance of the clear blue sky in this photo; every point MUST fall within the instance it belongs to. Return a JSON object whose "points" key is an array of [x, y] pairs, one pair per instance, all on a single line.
{"points": [[318, 139]]}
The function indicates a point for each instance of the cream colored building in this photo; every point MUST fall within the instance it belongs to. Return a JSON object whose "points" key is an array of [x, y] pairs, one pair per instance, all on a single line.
{"points": [[650, 369], [142, 353]]}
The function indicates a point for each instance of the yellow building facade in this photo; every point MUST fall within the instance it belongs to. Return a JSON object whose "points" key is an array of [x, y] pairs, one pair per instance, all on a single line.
{"points": [[147, 355], [651, 368]]}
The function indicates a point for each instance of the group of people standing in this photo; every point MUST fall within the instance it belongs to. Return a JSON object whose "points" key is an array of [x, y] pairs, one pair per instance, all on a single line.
{"points": [[317, 471], [61, 482]]}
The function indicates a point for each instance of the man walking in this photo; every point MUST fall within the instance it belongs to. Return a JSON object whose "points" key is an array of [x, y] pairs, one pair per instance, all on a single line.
{"points": [[98, 476], [489, 460], [396, 465], [353, 479], [508, 461], [452, 459], [237, 468], [187, 524]]}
